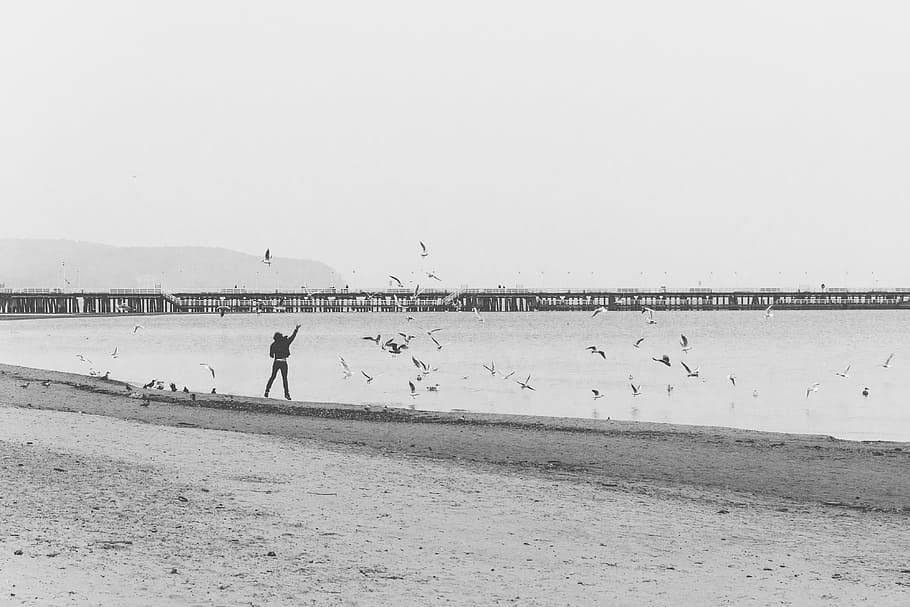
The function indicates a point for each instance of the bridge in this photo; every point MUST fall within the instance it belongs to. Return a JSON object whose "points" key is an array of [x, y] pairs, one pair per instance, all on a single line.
{"points": [[155, 301]]}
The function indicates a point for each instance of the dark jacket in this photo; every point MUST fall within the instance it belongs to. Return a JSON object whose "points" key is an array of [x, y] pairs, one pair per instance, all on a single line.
{"points": [[281, 347]]}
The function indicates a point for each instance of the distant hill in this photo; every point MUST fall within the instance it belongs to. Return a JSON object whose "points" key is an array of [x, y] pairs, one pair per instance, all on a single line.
{"points": [[31, 263]]}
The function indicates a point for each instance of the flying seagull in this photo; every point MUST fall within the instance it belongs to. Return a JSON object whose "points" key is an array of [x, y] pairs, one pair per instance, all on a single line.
{"points": [[345, 367], [866, 391], [115, 353], [596, 350], [477, 315], [598, 310], [136, 328], [84, 359], [438, 345], [887, 363], [267, 259], [414, 393], [209, 367], [664, 360], [732, 379], [423, 249], [526, 384], [433, 276], [650, 313], [636, 390], [690, 372], [491, 368], [669, 390], [597, 394], [845, 373], [768, 312], [813, 388], [684, 343], [638, 342], [368, 377], [373, 339], [397, 280]]}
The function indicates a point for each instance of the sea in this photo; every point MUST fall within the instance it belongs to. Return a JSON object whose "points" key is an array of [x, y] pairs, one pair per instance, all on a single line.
{"points": [[773, 363]]}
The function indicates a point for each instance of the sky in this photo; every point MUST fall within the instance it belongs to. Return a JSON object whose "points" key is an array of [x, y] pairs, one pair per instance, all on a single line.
{"points": [[603, 144]]}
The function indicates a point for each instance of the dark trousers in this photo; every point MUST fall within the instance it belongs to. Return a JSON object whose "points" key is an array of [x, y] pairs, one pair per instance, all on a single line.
{"points": [[279, 365]]}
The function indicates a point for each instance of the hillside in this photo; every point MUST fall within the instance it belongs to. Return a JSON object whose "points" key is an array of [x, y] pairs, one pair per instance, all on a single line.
{"points": [[28, 263]]}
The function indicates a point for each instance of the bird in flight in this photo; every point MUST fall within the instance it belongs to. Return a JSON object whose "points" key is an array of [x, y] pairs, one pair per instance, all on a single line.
{"points": [[732, 379], [664, 360], [650, 320], [813, 388], [636, 390], [684, 343], [768, 312], [689, 372], [638, 342], [845, 373], [373, 339], [526, 384], [433, 276], [887, 363], [597, 394], [209, 367], [397, 280], [84, 359], [423, 249], [345, 368], [866, 391], [435, 341], [670, 389], [368, 377], [596, 350], [598, 310], [115, 353], [267, 258], [477, 315], [136, 329], [414, 393], [491, 368]]}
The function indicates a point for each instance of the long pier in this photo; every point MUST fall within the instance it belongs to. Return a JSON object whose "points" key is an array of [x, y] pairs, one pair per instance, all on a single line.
{"points": [[155, 301]]}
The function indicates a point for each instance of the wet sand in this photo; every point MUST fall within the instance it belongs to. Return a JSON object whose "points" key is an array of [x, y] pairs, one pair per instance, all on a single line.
{"points": [[106, 498]]}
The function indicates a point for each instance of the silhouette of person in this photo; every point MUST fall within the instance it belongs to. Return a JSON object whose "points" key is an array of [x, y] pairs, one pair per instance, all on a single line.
{"points": [[280, 350]]}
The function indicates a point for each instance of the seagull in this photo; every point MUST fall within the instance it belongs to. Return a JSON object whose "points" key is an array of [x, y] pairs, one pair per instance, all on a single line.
{"points": [[136, 329], [396, 279], [508, 375], [149, 385], [433, 388], [409, 318], [732, 379], [866, 391], [638, 342], [598, 310], [394, 348], [477, 315], [526, 384], [433, 276], [491, 368], [845, 373], [375, 340], [665, 360], [115, 354], [768, 312], [267, 259], [596, 350], [650, 313], [887, 363], [84, 359], [423, 249], [207, 366], [597, 394], [369, 378], [690, 372], [755, 393], [25, 385], [438, 345], [684, 343], [414, 393], [47, 383], [813, 388], [669, 389], [186, 390], [417, 292], [636, 390], [344, 365]]}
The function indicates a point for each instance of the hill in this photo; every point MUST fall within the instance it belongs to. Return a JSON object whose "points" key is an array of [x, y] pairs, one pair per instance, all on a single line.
{"points": [[71, 265]]}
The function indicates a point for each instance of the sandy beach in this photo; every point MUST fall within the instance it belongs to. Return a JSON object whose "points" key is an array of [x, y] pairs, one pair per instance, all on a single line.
{"points": [[246, 501]]}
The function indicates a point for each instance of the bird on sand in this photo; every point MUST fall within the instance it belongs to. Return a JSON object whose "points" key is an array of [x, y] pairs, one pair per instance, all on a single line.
{"points": [[887, 363], [597, 394], [845, 373], [638, 342], [209, 367], [267, 258], [596, 350], [813, 388], [690, 372], [598, 310], [526, 384], [636, 390], [664, 360], [684, 343]]}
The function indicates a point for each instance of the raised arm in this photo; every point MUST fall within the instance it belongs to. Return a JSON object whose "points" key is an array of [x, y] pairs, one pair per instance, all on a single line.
{"points": [[293, 335]]}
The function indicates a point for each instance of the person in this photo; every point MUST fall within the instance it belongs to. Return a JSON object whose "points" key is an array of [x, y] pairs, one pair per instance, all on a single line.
{"points": [[280, 350]]}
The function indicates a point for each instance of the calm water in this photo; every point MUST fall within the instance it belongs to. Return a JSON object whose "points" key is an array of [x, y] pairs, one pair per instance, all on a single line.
{"points": [[779, 358]]}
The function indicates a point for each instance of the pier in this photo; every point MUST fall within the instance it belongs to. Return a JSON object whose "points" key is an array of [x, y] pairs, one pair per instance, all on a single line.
{"points": [[155, 301]]}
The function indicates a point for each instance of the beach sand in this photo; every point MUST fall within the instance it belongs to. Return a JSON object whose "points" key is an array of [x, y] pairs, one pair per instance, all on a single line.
{"points": [[239, 501]]}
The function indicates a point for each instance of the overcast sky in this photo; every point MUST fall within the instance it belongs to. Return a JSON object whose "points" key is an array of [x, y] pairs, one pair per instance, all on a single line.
{"points": [[557, 143]]}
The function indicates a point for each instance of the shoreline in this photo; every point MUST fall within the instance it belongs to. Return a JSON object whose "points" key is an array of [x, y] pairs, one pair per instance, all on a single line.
{"points": [[867, 475]]}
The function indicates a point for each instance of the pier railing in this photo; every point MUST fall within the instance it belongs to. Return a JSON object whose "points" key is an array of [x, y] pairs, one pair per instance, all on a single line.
{"points": [[155, 301]]}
